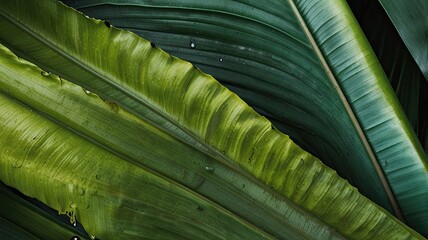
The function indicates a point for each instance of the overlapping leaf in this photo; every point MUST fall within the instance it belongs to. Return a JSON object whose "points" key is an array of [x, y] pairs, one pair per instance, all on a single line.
{"points": [[403, 73], [23, 220], [87, 154], [305, 65]]}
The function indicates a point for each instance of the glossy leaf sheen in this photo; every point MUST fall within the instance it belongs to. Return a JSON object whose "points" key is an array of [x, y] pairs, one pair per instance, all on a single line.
{"points": [[261, 52], [224, 128], [403, 73], [142, 144]]}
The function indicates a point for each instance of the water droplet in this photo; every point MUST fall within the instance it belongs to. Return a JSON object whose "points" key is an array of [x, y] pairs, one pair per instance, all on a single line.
{"points": [[81, 191], [210, 169], [75, 238], [243, 185], [221, 59], [17, 164], [92, 237], [87, 91], [73, 206], [44, 73], [98, 177], [192, 45], [74, 224]]}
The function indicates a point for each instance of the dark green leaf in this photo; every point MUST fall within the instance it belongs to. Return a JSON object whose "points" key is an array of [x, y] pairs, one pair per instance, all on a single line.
{"points": [[267, 54], [88, 166], [411, 20]]}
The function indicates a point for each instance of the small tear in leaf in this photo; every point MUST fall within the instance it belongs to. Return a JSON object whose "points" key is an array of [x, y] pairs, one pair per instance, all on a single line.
{"points": [[107, 24]]}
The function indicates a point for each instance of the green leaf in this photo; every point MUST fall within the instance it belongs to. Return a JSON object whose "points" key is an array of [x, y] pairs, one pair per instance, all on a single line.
{"points": [[21, 219], [403, 73], [308, 67], [79, 149], [90, 183], [411, 20], [142, 143], [11, 231]]}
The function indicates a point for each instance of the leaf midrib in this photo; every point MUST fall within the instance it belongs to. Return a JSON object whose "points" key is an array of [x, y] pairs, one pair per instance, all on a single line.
{"points": [[257, 183], [349, 111], [212, 152], [224, 160]]}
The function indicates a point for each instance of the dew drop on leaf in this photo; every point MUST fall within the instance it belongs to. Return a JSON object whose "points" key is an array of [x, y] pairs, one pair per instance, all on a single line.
{"points": [[209, 169], [17, 164], [81, 191]]}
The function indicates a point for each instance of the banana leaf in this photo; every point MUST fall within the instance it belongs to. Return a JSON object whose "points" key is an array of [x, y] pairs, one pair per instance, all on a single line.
{"points": [[308, 67], [80, 159], [22, 219], [9, 230], [192, 169], [411, 20], [403, 73]]}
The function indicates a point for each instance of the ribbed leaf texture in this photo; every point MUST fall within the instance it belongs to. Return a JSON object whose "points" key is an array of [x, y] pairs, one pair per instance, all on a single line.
{"points": [[403, 73], [24, 219], [308, 67], [153, 168]]}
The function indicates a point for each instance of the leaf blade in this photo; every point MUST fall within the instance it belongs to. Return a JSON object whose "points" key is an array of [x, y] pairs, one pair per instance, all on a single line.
{"points": [[279, 146], [216, 38]]}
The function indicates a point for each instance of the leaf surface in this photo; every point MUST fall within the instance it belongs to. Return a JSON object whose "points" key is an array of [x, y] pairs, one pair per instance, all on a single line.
{"points": [[411, 21], [73, 129], [307, 66], [22, 219]]}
